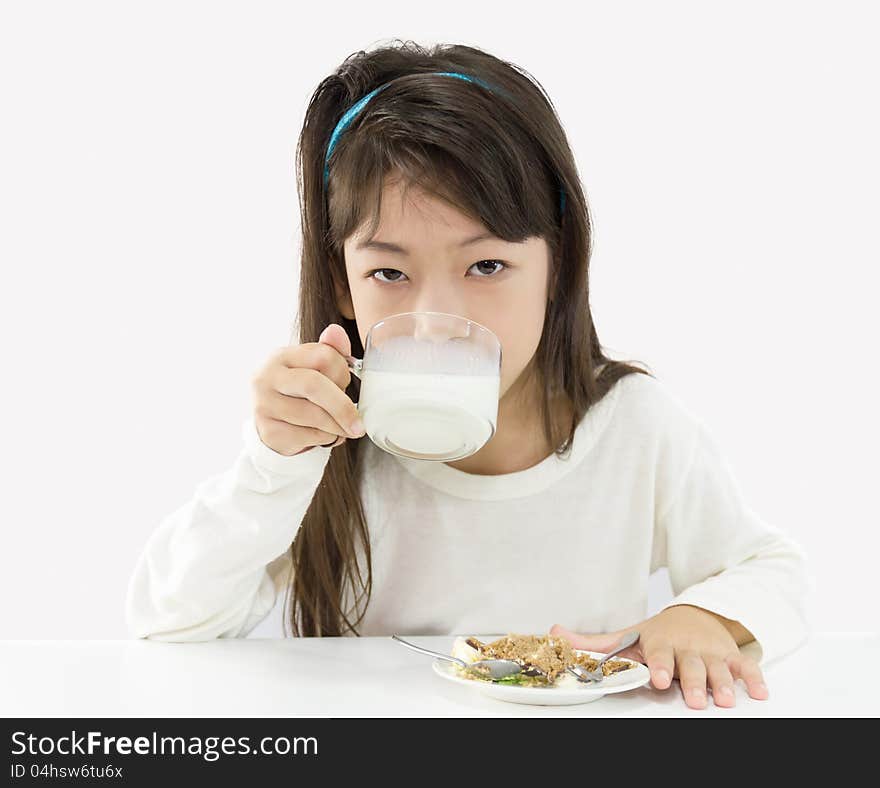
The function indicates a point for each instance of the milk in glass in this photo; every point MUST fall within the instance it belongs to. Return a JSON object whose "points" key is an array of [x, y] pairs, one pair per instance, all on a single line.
{"points": [[429, 400]]}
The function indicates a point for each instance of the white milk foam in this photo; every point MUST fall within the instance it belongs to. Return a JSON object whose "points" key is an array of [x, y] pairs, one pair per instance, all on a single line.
{"points": [[404, 353]]}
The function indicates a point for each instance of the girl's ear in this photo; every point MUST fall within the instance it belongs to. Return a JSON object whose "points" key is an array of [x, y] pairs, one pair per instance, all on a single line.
{"points": [[343, 298], [551, 282], [551, 287]]}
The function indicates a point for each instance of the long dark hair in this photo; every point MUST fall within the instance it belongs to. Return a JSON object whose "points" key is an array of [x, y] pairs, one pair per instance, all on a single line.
{"points": [[501, 157]]}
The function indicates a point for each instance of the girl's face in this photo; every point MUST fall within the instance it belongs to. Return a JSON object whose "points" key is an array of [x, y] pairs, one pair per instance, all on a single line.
{"points": [[427, 256]]}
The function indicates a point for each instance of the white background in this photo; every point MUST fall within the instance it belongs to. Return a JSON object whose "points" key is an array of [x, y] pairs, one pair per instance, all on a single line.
{"points": [[149, 253]]}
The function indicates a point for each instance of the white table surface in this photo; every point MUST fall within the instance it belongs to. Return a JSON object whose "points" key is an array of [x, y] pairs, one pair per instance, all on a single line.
{"points": [[833, 674]]}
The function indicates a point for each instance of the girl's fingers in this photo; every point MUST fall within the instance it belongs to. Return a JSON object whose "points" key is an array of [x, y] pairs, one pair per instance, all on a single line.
{"points": [[721, 682], [661, 663], [314, 386], [279, 433], [317, 355], [300, 413], [745, 668], [692, 676]]}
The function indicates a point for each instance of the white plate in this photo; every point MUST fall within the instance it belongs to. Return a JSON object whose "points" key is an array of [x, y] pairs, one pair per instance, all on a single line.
{"points": [[563, 693]]}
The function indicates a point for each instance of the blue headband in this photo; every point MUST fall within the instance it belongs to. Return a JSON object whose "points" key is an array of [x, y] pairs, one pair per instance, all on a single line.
{"points": [[346, 120]]}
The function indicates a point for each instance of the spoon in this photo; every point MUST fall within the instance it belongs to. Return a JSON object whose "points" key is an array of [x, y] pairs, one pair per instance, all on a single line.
{"points": [[494, 668], [596, 675]]}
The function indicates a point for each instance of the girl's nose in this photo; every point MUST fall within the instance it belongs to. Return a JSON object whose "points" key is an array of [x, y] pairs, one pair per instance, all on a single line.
{"points": [[440, 327]]}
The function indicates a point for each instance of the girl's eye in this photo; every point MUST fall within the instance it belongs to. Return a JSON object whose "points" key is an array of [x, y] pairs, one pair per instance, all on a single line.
{"points": [[382, 270], [500, 266]]}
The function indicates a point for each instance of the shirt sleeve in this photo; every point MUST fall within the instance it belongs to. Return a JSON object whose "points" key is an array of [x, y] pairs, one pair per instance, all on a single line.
{"points": [[213, 567], [722, 557]]}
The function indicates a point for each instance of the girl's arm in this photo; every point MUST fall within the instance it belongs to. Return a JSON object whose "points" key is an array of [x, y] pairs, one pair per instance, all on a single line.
{"points": [[724, 558], [212, 567]]}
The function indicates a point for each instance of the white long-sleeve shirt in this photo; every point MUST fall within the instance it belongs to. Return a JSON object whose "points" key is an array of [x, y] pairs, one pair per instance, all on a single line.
{"points": [[570, 541]]}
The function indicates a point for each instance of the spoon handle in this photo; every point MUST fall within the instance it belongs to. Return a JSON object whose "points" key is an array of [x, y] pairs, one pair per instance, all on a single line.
{"points": [[628, 640], [428, 651]]}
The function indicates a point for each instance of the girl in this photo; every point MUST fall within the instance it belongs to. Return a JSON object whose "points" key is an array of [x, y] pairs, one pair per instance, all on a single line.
{"points": [[441, 180]]}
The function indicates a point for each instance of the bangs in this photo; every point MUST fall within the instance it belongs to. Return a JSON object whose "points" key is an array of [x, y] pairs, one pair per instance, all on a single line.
{"points": [[367, 164]]}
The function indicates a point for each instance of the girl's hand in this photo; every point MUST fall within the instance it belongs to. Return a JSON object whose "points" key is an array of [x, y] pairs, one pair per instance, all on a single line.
{"points": [[690, 644], [299, 395]]}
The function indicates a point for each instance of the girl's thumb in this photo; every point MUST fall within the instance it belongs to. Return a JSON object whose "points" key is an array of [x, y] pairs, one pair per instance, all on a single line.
{"points": [[337, 337]]}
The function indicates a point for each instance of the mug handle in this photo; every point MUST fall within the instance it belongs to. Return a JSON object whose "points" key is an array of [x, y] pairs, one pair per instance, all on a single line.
{"points": [[355, 366]]}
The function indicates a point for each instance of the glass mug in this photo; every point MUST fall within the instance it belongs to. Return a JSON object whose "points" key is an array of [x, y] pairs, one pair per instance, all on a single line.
{"points": [[429, 385]]}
